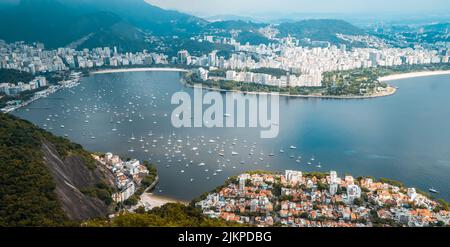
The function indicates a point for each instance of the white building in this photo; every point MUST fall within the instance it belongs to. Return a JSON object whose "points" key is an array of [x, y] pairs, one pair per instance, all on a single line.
{"points": [[125, 193], [293, 177], [333, 188], [132, 166], [353, 192], [412, 194], [242, 181]]}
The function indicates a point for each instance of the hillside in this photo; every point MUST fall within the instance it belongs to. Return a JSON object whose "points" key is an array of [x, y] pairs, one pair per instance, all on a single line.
{"points": [[14, 76], [88, 24], [321, 30], [145, 16], [57, 25], [169, 215], [46, 180]]}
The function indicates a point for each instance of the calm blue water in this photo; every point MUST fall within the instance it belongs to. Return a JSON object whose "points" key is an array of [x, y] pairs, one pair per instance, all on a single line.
{"points": [[405, 137]]}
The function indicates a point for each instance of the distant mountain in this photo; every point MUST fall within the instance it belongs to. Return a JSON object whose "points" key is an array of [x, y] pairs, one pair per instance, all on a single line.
{"points": [[253, 38], [438, 27], [217, 18], [236, 24], [127, 23], [248, 30], [320, 29], [87, 23], [145, 16]]}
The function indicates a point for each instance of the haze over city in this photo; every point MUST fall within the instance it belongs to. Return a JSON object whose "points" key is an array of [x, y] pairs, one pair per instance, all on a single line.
{"points": [[257, 7]]}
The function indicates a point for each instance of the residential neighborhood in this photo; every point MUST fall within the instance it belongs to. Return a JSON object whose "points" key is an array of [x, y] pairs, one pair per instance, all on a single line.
{"points": [[321, 199], [128, 175]]}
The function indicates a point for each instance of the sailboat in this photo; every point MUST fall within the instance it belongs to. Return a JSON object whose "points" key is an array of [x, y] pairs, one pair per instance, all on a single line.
{"points": [[220, 169]]}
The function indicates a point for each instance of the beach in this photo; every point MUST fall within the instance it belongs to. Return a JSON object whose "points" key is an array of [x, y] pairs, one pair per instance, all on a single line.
{"points": [[110, 71], [413, 74], [150, 201]]}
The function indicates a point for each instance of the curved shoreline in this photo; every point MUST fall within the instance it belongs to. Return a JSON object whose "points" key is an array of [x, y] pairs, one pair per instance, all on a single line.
{"points": [[111, 71], [413, 75], [390, 91]]}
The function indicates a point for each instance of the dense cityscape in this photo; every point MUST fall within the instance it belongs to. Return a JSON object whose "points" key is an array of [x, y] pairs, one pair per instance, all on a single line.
{"points": [[299, 66], [89, 134], [320, 200]]}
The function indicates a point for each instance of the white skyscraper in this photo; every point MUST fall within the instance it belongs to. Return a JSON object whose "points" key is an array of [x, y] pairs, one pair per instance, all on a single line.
{"points": [[253, 205], [212, 58], [333, 176], [333, 188], [242, 180]]}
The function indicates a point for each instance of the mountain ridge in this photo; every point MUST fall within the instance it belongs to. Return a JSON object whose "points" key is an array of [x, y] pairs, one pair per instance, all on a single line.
{"points": [[127, 24]]}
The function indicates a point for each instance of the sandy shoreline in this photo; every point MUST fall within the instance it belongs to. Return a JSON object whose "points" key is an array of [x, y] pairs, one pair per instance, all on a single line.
{"points": [[111, 71], [413, 74], [390, 90], [150, 201]]}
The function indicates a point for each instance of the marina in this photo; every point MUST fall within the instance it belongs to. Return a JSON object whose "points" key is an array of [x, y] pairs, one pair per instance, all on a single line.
{"points": [[130, 114]]}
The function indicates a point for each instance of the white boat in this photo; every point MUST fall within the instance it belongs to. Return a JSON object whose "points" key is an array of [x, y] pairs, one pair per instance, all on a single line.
{"points": [[293, 147], [432, 190], [234, 153], [226, 115], [201, 164]]}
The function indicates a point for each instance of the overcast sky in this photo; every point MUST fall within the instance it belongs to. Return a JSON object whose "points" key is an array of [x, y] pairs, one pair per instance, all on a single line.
{"points": [[249, 7]]}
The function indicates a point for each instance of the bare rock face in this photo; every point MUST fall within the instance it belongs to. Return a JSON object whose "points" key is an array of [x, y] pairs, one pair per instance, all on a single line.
{"points": [[72, 175]]}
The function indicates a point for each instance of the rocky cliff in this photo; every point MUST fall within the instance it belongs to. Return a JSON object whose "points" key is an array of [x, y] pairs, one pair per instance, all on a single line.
{"points": [[48, 180]]}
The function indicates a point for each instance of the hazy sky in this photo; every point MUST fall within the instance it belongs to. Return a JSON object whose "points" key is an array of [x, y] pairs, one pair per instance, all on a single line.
{"points": [[249, 7]]}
